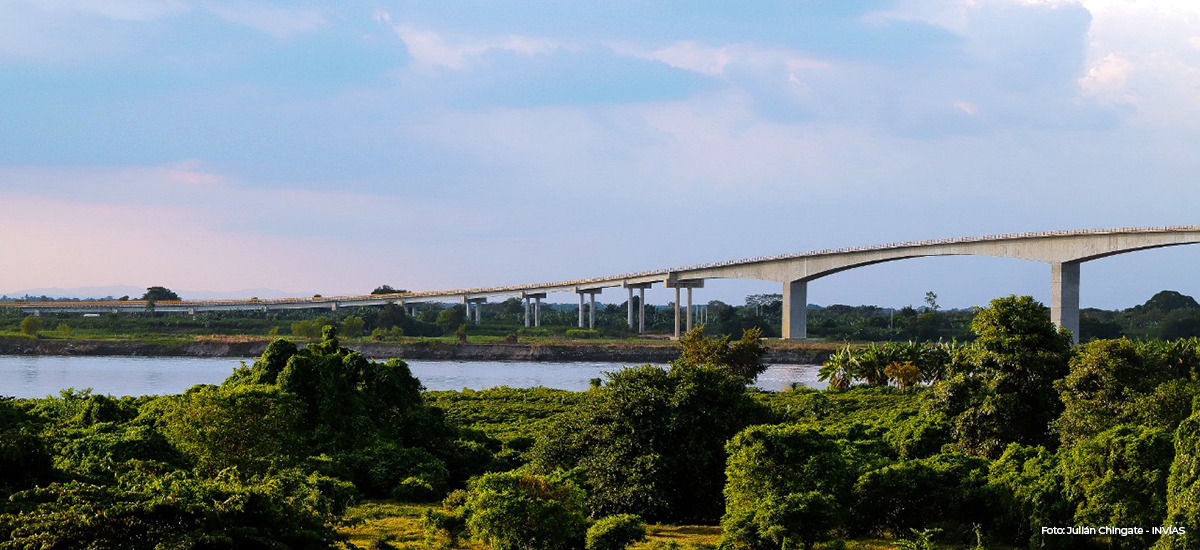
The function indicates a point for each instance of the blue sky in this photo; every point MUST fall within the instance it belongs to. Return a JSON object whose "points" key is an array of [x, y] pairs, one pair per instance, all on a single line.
{"points": [[332, 147]]}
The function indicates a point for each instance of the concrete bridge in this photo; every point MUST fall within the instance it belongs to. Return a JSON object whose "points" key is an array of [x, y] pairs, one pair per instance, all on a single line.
{"points": [[1064, 251]]}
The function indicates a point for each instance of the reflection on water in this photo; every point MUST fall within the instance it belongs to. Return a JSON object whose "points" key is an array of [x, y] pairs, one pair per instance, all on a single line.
{"points": [[37, 376]]}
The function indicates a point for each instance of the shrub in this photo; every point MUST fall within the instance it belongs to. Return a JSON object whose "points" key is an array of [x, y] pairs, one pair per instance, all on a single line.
{"points": [[1183, 489], [651, 441], [176, 510], [252, 428], [787, 484], [915, 493], [352, 327], [743, 358], [615, 532], [582, 333], [1026, 491], [1119, 477], [31, 325], [513, 510]]}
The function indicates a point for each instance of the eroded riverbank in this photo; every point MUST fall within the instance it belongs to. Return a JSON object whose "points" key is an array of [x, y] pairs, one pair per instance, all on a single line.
{"points": [[630, 353]]}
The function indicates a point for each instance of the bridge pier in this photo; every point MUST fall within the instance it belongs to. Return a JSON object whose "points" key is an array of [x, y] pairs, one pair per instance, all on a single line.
{"points": [[629, 307], [591, 292], [1064, 296], [689, 309], [689, 284], [641, 288], [642, 313], [795, 310], [536, 317], [478, 308], [676, 313]]}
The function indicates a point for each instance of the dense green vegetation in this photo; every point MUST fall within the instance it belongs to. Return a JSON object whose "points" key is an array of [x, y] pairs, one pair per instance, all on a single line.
{"points": [[967, 444]]}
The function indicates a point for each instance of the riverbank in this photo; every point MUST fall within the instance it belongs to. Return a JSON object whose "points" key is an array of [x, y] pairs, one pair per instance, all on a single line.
{"points": [[250, 347]]}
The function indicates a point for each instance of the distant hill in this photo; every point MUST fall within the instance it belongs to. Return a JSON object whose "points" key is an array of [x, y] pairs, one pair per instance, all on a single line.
{"points": [[116, 291], [1170, 300]]}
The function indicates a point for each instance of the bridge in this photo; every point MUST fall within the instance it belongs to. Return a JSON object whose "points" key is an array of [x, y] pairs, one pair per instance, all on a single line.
{"points": [[1064, 251]]}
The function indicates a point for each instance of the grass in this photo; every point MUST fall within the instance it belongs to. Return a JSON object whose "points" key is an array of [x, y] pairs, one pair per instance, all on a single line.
{"points": [[399, 525], [384, 524], [392, 522]]}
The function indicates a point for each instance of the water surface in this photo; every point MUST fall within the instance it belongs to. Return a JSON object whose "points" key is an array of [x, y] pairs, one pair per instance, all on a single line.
{"points": [[41, 375]]}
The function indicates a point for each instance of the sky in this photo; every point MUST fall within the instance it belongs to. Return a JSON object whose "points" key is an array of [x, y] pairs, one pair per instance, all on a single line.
{"points": [[332, 147]]}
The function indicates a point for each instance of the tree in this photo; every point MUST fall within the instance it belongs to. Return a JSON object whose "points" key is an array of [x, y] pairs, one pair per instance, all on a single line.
{"points": [[1026, 490], [160, 294], [1119, 477], [1180, 323], [1105, 378], [787, 486], [31, 325], [743, 358], [651, 441], [386, 289], [1183, 489], [252, 427], [1006, 393], [370, 417], [449, 319], [912, 494], [519, 511], [353, 326], [152, 510]]}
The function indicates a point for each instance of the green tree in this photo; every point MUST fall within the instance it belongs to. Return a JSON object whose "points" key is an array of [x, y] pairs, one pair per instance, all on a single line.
{"points": [[519, 511], [1105, 378], [150, 511], [353, 326], [449, 319], [253, 428], [24, 458], [743, 358], [31, 325], [160, 294], [1006, 394], [1119, 477], [787, 487], [1183, 489], [1025, 487], [369, 417], [386, 289], [651, 441], [915, 493]]}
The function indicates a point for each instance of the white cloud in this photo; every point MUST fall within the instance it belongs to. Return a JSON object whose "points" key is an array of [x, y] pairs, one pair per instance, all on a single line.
{"points": [[1105, 80], [432, 49], [720, 60], [275, 21], [966, 107]]}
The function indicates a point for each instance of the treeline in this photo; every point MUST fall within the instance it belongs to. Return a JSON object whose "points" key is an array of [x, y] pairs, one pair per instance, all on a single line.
{"points": [[1167, 315]]}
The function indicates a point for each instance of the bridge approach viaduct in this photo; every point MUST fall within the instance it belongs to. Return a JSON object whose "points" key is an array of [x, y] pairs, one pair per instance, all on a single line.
{"points": [[1064, 251]]}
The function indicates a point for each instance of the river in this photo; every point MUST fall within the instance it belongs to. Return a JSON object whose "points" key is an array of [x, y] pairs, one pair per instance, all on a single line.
{"points": [[41, 375]]}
